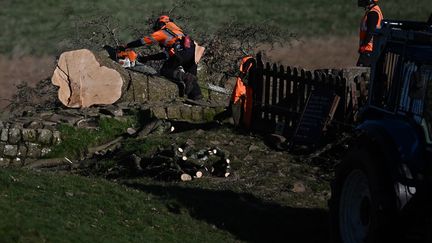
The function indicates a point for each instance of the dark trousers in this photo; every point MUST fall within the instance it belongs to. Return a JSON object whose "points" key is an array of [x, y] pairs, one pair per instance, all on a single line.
{"points": [[186, 59], [364, 60]]}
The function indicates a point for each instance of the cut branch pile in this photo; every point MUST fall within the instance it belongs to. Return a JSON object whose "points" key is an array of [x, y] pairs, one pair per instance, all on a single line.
{"points": [[184, 163]]}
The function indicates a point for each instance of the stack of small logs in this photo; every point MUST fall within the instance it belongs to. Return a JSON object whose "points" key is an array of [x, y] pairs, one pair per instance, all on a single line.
{"points": [[184, 163]]}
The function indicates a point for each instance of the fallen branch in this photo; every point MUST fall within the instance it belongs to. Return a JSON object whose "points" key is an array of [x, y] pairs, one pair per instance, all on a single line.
{"points": [[108, 146], [47, 163]]}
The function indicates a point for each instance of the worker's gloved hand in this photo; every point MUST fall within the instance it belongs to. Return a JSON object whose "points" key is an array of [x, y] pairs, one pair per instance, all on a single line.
{"points": [[121, 48]]}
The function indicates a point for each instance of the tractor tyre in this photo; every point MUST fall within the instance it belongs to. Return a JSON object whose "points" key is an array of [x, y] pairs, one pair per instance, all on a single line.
{"points": [[363, 203]]}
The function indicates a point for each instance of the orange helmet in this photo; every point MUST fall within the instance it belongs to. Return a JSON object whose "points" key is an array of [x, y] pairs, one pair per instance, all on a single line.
{"points": [[161, 22]]}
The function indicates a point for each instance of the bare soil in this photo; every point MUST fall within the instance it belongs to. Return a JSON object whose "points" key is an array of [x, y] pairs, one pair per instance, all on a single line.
{"points": [[308, 53], [317, 53], [15, 70]]}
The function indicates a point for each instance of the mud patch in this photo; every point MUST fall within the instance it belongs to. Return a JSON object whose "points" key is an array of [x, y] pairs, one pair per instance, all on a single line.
{"points": [[317, 53], [28, 69]]}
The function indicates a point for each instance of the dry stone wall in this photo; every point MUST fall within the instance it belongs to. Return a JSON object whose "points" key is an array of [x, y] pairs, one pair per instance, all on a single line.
{"points": [[21, 145], [186, 112]]}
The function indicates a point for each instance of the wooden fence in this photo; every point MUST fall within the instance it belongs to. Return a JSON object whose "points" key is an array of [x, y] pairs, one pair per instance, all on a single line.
{"points": [[281, 93]]}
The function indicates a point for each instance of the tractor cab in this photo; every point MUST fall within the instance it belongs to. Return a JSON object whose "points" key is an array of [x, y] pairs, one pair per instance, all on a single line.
{"points": [[401, 74]]}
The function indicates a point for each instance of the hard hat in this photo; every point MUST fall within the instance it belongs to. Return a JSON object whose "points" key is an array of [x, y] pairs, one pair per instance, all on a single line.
{"points": [[161, 21], [164, 19]]}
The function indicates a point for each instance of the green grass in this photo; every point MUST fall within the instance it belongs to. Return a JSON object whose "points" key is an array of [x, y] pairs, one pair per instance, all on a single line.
{"points": [[51, 208], [47, 26], [75, 141], [255, 204]]}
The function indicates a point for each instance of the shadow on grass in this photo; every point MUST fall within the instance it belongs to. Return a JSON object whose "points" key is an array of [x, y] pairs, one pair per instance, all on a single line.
{"points": [[245, 216]]}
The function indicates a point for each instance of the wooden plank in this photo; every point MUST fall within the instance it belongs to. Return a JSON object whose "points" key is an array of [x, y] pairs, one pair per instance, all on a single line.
{"points": [[309, 81], [281, 95], [258, 92], [267, 90], [355, 92], [333, 109], [288, 95], [317, 113], [331, 82], [363, 88], [274, 90], [340, 91], [317, 80], [295, 94], [302, 89]]}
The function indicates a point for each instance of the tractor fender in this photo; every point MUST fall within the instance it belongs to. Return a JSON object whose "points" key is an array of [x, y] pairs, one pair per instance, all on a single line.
{"points": [[398, 143]]}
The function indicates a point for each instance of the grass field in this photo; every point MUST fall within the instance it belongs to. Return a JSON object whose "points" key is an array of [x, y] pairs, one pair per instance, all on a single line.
{"points": [[45, 207], [43, 27], [255, 204]]}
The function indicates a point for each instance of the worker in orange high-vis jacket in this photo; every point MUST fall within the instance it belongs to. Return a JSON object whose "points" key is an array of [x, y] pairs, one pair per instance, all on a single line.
{"points": [[370, 22], [178, 53], [243, 92]]}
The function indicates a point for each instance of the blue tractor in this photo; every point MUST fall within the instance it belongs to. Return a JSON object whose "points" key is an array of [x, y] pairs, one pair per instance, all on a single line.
{"points": [[382, 190]]}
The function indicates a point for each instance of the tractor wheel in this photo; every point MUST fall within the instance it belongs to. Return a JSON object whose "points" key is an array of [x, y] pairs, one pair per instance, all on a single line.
{"points": [[362, 206]]}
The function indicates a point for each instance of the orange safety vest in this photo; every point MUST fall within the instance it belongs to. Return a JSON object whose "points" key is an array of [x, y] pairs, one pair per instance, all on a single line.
{"points": [[243, 93], [166, 37], [368, 47]]}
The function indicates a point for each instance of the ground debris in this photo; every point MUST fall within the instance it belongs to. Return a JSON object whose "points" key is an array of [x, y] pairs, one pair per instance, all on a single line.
{"points": [[41, 96], [327, 157], [184, 162]]}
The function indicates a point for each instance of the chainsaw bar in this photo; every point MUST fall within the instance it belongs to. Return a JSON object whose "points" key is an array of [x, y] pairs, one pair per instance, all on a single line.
{"points": [[218, 89]]}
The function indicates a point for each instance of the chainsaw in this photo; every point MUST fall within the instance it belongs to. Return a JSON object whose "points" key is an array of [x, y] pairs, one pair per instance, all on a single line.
{"points": [[126, 58]]}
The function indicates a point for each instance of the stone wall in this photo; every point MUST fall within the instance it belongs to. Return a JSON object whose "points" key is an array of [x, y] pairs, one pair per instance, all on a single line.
{"points": [[31, 134], [185, 112], [21, 145]]}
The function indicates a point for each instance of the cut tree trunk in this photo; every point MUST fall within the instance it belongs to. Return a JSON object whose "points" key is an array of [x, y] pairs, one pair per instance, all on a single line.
{"points": [[88, 78], [84, 82]]}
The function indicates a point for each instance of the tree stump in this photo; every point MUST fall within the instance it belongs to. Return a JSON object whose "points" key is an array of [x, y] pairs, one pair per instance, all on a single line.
{"points": [[87, 78]]}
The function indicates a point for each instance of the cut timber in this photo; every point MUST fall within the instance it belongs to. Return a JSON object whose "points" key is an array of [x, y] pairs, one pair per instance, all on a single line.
{"points": [[198, 174], [139, 87], [89, 78], [84, 82], [113, 145], [186, 177], [48, 163]]}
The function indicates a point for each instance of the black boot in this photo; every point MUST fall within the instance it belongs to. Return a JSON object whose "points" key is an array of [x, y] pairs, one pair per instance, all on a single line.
{"points": [[179, 76], [189, 80], [193, 91]]}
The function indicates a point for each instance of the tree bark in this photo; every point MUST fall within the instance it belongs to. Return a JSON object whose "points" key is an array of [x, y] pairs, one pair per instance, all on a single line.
{"points": [[88, 78]]}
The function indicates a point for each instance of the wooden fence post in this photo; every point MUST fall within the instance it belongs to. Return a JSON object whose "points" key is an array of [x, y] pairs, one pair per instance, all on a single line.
{"points": [[274, 91], [282, 99], [267, 91], [258, 92]]}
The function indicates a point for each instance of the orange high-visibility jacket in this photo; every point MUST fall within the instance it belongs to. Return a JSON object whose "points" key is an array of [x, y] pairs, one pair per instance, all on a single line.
{"points": [[166, 37], [368, 47], [243, 93]]}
